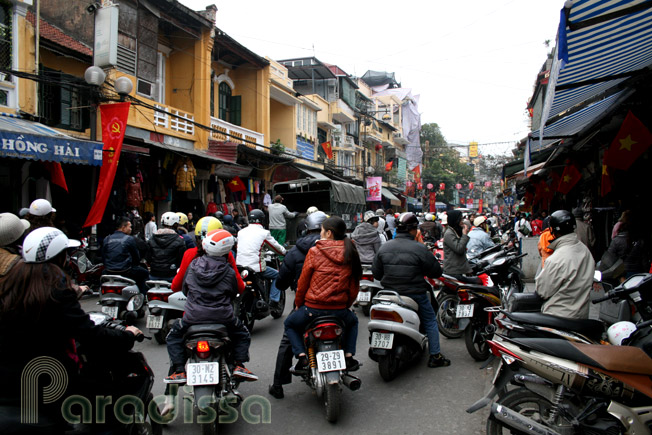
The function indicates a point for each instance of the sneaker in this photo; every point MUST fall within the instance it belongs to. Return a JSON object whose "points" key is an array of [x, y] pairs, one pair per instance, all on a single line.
{"points": [[276, 391], [176, 378], [243, 373], [438, 360], [301, 366], [352, 364]]}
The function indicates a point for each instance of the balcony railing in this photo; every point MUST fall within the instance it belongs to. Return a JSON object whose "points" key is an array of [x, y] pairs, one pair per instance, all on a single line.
{"points": [[174, 119], [234, 133]]}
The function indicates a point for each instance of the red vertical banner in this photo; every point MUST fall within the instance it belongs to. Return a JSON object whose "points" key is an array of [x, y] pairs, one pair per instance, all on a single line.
{"points": [[114, 123], [480, 205], [433, 202]]}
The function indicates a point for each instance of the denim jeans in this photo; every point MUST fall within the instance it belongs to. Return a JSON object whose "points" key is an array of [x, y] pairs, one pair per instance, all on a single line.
{"points": [[274, 292], [238, 334], [429, 320], [296, 322]]}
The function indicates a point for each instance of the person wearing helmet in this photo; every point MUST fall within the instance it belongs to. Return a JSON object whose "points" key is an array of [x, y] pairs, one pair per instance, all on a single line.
{"points": [[301, 227], [166, 249], [40, 214], [229, 225], [380, 213], [120, 255], [566, 280], [37, 301], [479, 238], [288, 276], [238, 219], [219, 215], [251, 241], [12, 229], [366, 238], [278, 213], [211, 287], [182, 230], [431, 229], [401, 265]]}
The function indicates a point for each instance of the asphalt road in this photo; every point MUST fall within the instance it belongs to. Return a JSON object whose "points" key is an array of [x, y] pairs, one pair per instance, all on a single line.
{"points": [[420, 400]]}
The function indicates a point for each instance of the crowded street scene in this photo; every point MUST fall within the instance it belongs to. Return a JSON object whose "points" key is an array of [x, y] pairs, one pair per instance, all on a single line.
{"points": [[354, 218]]}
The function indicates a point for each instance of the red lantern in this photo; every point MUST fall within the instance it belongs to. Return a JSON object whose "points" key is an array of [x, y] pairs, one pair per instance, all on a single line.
{"points": [[442, 186], [430, 186], [419, 186], [458, 186], [409, 184], [487, 184], [378, 147], [471, 186]]}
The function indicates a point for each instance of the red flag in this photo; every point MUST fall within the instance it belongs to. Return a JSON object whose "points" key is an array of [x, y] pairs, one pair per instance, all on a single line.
{"points": [[433, 202], [569, 179], [417, 173], [114, 123], [605, 182], [236, 185], [632, 140], [480, 205], [56, 174], [388, 165], [328, 149]]}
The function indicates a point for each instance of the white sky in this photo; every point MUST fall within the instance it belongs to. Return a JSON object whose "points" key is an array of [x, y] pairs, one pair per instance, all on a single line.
{"points": [[473, 62]]}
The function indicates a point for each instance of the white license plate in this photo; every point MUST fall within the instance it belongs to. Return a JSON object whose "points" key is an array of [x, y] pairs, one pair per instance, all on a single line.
{"points": [[464, 311], [330, 361], [381, 340], [154, 322], [110, 311], [203, 373], [364, 296]]}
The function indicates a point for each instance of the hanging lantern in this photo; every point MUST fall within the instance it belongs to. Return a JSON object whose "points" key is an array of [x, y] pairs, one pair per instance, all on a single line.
{"points": [[409, 184], [430, 186], [458, 186], [378, 147], [487, 184], [471, 186], [419, 186], [442, 186]]}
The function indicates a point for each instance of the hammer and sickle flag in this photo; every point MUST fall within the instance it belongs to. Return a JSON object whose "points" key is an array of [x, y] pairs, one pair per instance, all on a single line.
{"points": [[114, 123]]}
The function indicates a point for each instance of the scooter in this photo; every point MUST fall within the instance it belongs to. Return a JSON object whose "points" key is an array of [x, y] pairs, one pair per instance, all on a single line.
{"points": [[369, 286], [165, 306], [83, 271], [120, 298], [254, 303], [395, 334]]}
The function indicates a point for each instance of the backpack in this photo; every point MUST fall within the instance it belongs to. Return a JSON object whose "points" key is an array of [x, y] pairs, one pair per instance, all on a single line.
{"points": [[523, 229]]}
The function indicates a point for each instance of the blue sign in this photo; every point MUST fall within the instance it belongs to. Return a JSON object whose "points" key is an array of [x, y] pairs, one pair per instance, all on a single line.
{"points": [[24, 139], [509, 200]]}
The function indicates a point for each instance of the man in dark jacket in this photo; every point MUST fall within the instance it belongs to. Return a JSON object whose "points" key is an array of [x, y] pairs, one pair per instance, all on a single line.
{"points": [[166, 248], [121, 257], [400, 265], [288, 276]]}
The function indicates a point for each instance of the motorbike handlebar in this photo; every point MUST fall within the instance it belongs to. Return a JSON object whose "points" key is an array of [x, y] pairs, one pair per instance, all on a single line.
{"points": [[112, 324]]}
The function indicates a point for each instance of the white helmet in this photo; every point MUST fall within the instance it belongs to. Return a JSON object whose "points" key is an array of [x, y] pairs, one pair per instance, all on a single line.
{"points": [[169, 219], [218, 243], [311, 210], [45, 243], [430, 217], [620, 331]]}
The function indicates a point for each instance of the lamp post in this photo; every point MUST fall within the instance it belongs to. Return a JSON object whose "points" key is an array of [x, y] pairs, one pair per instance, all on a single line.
{"points": [[94, 76]]}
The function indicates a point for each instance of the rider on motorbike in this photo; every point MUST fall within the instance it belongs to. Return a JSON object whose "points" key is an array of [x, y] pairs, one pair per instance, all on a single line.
{"points": [[479, 238], [121, 257], [211, 286], [366, 238], [251, 241], [456, 239], [166, 249], [401, 265], [182, 230]]}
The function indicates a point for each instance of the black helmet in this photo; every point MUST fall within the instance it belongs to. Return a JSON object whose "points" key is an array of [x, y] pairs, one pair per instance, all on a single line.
{"points": [[406, 221], [314, 220], [562, 222], [219, 215], [256, 216]]}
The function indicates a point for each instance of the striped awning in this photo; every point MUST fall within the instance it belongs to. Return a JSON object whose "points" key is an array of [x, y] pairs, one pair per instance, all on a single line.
{"points": [[599, 45]]}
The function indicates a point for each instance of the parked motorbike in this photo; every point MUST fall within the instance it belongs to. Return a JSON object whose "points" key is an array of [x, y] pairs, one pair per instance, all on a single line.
{"points": [[396, 336], [121, 299], [83, 271], [210, 374], [369, 286], [327, 370], [165, 306]]}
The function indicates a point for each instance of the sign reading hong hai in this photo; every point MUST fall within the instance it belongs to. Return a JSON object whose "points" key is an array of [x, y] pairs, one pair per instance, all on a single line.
{"points": [[33, 147]]}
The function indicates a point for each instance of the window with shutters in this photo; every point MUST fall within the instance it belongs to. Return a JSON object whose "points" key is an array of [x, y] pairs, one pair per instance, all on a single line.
{"points": [[64, 101], [230, 106], [6, 61], [212, 98]]}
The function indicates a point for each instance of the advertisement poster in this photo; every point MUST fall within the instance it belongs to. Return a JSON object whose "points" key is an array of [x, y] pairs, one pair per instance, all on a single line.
{"points": [[374, 188]]}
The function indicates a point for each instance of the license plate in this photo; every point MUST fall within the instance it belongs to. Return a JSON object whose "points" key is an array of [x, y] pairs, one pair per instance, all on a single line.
{"points": [[464, 311], [330, 361], [154, 322], [364, 296], [203, 373], [110, 311], [381, 340]]}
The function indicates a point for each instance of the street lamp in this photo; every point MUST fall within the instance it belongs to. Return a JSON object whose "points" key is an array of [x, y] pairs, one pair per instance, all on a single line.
{"points": [[123, 86], [94, 76]]}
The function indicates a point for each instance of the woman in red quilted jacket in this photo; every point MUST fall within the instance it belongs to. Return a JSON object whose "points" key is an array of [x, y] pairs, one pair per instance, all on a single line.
{"points": [[328, 286]]}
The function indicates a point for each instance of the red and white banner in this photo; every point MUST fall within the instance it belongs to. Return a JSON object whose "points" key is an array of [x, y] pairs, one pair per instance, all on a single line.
{"points": [[433, 202]]}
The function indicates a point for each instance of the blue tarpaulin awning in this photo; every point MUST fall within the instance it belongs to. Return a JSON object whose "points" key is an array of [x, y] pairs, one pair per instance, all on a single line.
{"points": [[30, 140]]}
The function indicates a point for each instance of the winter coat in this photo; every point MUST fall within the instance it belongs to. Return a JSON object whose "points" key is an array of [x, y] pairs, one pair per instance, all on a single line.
{"points": [[277, 215], [7, 261], [402, 263], [251, 241], [184, 175], [367, 241], [566, 280], [384, 235], [632, 253], [326, 281], [120, 252], [210, 286], [585, 233], [479, 240], [455, 262], [522, 223], [290, 271], [188, 239], [188, 256], [431, 231], [165, 253], [134, 194]]}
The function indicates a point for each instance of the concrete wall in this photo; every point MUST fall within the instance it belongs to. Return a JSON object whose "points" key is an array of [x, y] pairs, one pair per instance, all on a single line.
{"points": [[531, 262]]}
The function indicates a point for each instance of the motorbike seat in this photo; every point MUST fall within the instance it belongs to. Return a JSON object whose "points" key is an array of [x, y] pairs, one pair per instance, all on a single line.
{"points": [[403, 301], [206, 330], [324, 319], [592, 329]]}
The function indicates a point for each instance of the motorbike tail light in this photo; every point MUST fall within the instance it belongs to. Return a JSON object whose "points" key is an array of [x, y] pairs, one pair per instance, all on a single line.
{"points": [[501, 351], [203, 349], [367, 277], [391, 316], [327, 332], [105, 289], [463, 295], [155, 296]]}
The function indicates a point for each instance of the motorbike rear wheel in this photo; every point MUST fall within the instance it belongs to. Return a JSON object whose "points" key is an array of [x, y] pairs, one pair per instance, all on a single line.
{"points": [[447, 321], [244, 310], [476, 343], [210, 428], [332, 401], [388, 366], [366, 309], [525, 403]]}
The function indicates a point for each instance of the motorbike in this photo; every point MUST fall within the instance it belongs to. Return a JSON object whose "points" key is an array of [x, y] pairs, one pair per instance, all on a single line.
{"points": [[121, 299], [327, 370], [165, 306], [83, 271], [209, 372], [396, 336], [368, 289]]}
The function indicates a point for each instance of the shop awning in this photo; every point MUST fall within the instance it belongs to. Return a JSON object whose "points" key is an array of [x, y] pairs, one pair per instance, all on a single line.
{"points": [[391, 197], [599, 45], [312, 173], [30, 140]]}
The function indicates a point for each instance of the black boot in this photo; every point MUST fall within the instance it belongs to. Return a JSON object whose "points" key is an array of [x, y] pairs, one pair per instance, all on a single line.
{"points": [[276, 391], [438, 360]]}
